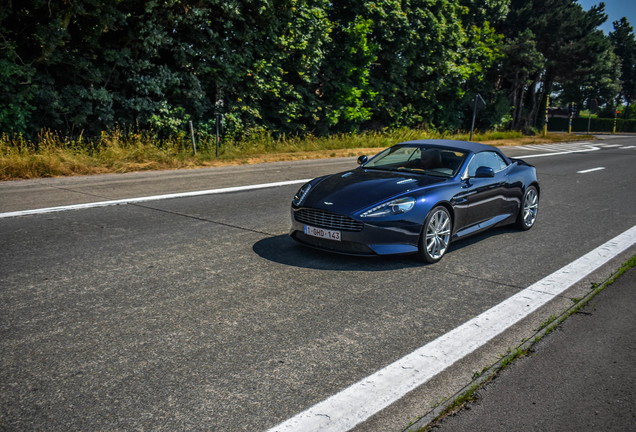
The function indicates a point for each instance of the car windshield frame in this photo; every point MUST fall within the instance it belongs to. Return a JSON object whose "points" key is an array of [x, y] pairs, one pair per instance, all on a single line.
{"points": [[434, 161]]}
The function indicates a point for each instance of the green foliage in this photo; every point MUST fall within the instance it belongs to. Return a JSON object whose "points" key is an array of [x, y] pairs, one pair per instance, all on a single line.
{"points": [[624, 43], [298, 67], [561, 52], [580, 124], [170, 121]]}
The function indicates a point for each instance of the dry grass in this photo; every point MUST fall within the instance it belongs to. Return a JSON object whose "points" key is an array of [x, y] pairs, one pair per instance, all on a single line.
{"points": [[53, 155]]}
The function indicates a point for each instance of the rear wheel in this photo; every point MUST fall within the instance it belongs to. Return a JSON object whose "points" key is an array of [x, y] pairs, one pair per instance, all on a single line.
{"points": [[436, 235], [529, 209]]}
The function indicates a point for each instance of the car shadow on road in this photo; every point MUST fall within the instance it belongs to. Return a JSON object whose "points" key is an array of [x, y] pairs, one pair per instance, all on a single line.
{"points": [[284, 250]]}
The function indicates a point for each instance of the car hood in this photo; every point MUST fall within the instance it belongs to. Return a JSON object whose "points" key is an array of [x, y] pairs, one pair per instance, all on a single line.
{"points": [[352, 191]]}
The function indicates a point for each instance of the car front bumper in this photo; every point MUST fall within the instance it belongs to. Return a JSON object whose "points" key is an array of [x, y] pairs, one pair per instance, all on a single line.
{"points": [[377, 237]]}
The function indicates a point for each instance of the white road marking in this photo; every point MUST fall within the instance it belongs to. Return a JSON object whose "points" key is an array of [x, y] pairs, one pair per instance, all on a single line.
{"points": [[148, 198], [590, 170], [553, 149], [357, 403], [627, 147], [588, 148], [609, 145]]}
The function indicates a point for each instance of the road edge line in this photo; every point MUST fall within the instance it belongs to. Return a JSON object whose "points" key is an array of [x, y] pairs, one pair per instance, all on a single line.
{"points": [[360, 401], [148, 198], [439, 411]]}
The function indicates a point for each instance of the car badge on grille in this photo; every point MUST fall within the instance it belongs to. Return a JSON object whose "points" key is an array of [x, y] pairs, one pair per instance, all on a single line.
{"points": [[328, 203]]}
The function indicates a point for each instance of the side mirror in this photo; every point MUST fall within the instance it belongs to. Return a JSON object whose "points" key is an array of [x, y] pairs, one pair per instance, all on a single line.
{"points": [[484, 172], [363, 159]]}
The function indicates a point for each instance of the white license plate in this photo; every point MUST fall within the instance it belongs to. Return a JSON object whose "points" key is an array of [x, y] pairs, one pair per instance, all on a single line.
{"points": [[322, 233]]}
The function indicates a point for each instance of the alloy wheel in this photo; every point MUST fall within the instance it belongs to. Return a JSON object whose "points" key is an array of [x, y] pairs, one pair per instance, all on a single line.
{"points": [[530, 207], [438, 231]]}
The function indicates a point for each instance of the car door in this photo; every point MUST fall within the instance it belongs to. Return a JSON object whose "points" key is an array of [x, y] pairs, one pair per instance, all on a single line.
{"points": [[482, 201]]}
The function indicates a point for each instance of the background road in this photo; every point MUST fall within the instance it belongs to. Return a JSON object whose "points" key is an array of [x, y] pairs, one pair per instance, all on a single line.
{"points": [[201, 313]]}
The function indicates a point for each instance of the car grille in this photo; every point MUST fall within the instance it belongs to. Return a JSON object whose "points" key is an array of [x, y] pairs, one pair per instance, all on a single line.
{"points": [[327, 220]]}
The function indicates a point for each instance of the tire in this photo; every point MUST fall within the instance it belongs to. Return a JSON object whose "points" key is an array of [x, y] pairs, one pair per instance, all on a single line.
{"points": [[529, 209], [436, 235]]}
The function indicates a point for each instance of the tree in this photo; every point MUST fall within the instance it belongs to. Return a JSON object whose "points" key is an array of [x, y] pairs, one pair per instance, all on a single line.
{"points": [[518, 71], [572, 45], [485, 50], [624, 44]]}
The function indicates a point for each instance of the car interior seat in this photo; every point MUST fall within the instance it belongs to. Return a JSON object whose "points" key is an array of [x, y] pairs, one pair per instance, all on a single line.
{"points": [[431, 159]]}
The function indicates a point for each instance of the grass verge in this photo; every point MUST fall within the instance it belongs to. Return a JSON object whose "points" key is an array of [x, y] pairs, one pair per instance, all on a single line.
{"points": [[468, 394], [54, 155]]}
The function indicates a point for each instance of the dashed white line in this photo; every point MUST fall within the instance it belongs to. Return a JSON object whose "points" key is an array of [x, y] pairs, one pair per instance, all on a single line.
{"points": [[148, 198], [590, 170], [357, 403]]}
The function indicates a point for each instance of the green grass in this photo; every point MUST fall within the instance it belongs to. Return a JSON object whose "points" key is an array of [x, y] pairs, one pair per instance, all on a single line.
{"points": [[52, 154]]}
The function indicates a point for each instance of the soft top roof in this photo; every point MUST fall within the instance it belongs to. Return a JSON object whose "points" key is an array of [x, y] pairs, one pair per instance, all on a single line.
{"points": [[460, 145]]}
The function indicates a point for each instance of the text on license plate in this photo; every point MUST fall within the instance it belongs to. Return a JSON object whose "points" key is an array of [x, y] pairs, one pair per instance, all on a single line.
{"points": [[322, 233]]}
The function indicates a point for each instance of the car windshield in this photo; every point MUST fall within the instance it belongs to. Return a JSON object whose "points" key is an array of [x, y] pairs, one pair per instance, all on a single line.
{"points": [[435, 161]]}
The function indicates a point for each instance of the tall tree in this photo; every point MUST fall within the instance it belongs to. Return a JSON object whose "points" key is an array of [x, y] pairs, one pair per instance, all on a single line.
{"points": [[570, 41], [484, 48], [622, 39]]}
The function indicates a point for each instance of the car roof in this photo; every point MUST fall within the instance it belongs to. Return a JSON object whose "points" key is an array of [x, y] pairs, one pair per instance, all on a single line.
{"points": [[459, 145]]}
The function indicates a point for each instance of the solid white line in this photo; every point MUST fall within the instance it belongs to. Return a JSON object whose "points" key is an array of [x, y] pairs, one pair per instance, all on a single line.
{"points": [[627, 147], [590, 170], [242, 188], [357, 403], [148, 198]]}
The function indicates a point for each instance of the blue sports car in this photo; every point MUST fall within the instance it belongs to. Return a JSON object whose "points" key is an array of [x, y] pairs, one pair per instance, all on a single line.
{"points": [[415, 197]]}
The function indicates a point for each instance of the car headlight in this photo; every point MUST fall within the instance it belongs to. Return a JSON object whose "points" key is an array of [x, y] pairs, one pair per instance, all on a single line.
{"points": [[301, 194], [393, 207]]}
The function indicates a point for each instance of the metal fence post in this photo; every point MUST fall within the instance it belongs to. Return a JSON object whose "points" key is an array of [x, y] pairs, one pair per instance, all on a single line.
{"points": [[194, 144], [615, 116], [218, 133]]}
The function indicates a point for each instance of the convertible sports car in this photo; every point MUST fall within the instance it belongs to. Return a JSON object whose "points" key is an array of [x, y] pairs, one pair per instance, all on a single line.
{"points": [[415, 197]]}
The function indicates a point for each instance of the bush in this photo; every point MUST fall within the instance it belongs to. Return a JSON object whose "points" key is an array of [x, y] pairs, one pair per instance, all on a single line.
{"points": [[580, 124]]}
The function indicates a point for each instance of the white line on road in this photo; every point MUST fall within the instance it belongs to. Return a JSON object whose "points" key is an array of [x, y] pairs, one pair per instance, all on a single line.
{"points": [[353, 405], [583, 150], [148, 198], [587, 148], [590, 170]]}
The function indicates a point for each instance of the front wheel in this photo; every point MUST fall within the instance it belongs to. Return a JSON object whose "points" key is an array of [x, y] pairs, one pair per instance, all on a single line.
{"points": [[436, 235], [529, 209]]}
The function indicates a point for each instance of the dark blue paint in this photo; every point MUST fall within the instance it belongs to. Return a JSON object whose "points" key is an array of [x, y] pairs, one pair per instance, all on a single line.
{"points": [[475, 204]]}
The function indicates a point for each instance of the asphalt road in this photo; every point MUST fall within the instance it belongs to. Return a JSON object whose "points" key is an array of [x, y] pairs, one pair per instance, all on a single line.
{"points": [[580, 377], [201, 314]]}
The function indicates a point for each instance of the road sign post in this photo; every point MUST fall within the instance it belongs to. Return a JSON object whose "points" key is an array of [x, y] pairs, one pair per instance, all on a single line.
{"points": [[479, 104]]}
